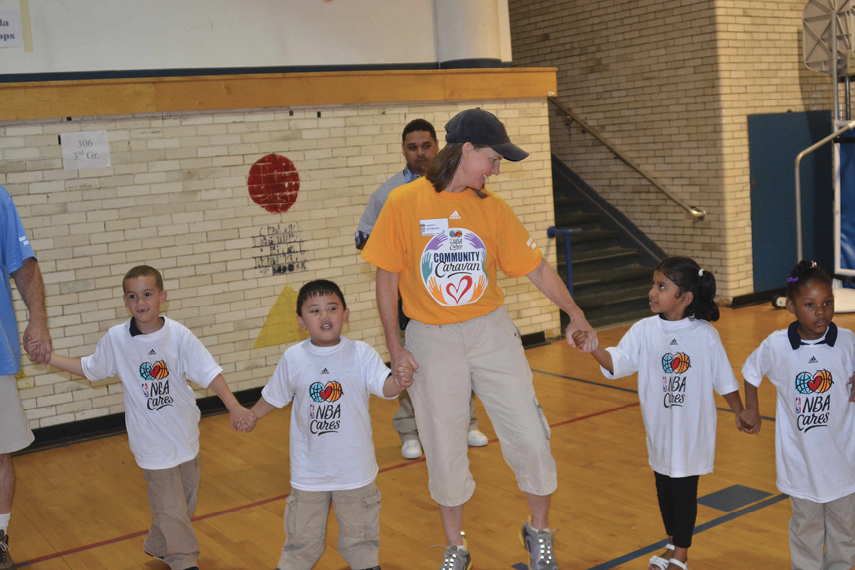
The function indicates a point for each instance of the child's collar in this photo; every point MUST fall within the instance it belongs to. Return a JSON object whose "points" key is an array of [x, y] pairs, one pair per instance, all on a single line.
{"points": [[135, 330], [796, 340]]}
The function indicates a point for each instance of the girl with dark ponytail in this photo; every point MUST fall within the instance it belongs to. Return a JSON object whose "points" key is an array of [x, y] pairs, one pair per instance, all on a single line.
{"points": [[690, 278], [810, 363], [680, 361]]}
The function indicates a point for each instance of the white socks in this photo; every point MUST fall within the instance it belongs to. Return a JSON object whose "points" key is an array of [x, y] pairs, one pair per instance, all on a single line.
{"points": [[4, 522]]}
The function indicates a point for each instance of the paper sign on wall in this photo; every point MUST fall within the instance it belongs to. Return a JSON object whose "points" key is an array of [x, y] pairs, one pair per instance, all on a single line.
{"points": [[10, 29], [86, 149]]}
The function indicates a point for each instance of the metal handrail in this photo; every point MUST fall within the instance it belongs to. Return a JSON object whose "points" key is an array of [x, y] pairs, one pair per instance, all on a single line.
{"points": [[696, 213], [553, 232], [799, 157]]}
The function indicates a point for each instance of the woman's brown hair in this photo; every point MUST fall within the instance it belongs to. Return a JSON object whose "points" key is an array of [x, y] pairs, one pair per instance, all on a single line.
{"points": [[440, 171]]}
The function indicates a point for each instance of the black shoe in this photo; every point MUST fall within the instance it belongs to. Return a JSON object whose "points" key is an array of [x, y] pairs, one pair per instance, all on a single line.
{"points": [[373, 568]]}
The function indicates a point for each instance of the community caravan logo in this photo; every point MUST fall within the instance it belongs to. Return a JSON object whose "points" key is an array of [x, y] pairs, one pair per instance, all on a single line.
{"points": [[813, 405], [156, 384], [452, 267], [673, 384], [324, 414]]}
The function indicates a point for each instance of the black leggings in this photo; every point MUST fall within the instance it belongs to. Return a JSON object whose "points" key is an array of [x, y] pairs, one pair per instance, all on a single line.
{"points": [[678, 503]]}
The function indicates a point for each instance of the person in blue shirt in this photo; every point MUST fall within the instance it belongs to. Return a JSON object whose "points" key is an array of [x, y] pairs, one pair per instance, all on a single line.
{"points": [[18, 261]]}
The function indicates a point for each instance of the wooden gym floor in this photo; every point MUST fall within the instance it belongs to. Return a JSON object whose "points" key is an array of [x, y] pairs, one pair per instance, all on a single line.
{"points": [[83, 506]]}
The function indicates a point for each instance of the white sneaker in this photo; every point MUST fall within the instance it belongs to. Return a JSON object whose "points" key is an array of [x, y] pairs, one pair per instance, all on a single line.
{"points": [[477, 439], [412, 449]]}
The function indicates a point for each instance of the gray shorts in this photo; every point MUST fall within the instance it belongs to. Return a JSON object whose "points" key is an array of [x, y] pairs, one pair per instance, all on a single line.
{"points": [[15, 433]]}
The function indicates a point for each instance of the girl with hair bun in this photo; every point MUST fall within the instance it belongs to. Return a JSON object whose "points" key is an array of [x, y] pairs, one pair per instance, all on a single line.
{"points": [[810, 363], [680, 361]]}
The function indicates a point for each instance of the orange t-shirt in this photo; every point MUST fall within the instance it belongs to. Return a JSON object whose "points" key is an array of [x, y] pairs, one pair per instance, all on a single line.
{"points": [[445, 248]]}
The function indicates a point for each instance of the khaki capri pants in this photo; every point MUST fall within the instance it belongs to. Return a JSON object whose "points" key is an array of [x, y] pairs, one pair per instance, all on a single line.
{"points": [[484, 354]]}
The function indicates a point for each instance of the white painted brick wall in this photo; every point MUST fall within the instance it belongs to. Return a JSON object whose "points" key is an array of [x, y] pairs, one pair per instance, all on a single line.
{"points": [[176, 198]]}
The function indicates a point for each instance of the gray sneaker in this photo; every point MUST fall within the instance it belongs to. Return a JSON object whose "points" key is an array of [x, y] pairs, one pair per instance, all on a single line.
{"points": [[5, 557], [539, 546], [457, 557]]}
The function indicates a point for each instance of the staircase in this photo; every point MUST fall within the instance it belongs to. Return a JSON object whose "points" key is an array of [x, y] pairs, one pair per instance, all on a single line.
{"points": [[612, 260]]}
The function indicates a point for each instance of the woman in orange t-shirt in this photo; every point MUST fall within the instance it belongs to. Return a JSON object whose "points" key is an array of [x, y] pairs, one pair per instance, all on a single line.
{"points": [[439, 241]]}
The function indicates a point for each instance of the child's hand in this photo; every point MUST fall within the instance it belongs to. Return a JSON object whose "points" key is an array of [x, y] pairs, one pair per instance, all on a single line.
{"points": [[851, 385], [580, 329], [748, 421], [403, 374], [30, 348], [578, 338], [243, 420]]}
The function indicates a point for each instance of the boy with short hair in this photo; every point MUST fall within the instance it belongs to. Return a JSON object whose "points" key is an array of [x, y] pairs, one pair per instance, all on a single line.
{"points": [[152, 355], [330, 378]]}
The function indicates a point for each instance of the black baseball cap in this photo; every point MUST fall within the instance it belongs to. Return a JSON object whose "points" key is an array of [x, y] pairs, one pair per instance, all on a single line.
{"points": [[478, 126]]}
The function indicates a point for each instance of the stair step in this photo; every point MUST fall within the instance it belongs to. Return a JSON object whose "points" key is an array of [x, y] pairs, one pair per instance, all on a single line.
{"points": [[596, 298], [562, 202], [620, 279], [614, 313], [591, 240], [572, 219], [631, 273], [626, 315], [585, 262]]}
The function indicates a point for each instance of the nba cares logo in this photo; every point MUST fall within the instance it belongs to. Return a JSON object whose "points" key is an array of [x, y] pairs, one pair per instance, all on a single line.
{"points": [[452, 267]]}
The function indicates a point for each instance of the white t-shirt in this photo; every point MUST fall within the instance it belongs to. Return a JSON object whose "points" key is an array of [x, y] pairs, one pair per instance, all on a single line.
{"points": [[814, 420], [331, 439], [160, 408], [679, 363]]}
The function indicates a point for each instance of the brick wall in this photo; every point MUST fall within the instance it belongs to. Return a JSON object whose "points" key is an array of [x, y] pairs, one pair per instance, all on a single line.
{"points": [[672, 83], [176, 197]]}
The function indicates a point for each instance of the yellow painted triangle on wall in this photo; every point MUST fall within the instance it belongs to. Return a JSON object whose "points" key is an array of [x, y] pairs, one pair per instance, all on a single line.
{"points": [[280, 327]]}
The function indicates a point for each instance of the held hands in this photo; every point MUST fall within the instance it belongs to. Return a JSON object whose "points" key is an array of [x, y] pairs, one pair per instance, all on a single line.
{"points": [[584, 340], [403, 375], [404, 365], [749, 421], [242, 419], [580, 334], [37, 342], [576, 338]]}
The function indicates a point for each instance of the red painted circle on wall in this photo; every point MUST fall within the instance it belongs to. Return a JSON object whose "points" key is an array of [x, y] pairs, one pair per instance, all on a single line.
{"points": [[274, 183]]}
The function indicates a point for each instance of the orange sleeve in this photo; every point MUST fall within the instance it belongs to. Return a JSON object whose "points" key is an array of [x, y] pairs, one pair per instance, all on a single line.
{"points": [[517, 254]]}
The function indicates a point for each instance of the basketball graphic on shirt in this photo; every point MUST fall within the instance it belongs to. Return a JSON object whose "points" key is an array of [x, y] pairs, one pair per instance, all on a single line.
{"points": [[675, 363], [821, 382], [680, 363], [802, 381], [156, 371], [329, 392], [333, 391], [817, 383], [452, 267]]}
